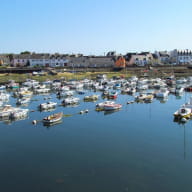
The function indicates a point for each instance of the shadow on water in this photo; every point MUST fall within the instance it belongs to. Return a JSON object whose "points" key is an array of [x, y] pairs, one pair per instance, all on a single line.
{"points": [[9, 121], [162, 100], [48, 125], [111, 112]]}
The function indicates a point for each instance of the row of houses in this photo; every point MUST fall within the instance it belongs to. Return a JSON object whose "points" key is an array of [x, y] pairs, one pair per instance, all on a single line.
{"points": [[58, 60], [182, 57]]}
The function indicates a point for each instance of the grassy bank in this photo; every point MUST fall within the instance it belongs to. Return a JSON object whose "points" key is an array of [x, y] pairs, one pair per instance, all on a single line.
{"points": [[140, 72], [4, 78]]}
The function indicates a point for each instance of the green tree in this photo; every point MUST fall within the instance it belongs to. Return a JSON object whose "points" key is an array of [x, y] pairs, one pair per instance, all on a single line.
{"points": [[25, 52]]}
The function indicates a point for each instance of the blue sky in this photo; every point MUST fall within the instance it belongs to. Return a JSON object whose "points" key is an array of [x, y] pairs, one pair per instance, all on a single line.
{"points": [[94, 26]]}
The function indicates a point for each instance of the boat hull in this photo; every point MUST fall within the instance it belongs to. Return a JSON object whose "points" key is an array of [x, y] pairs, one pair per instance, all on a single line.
{"points": [[52, 119]]}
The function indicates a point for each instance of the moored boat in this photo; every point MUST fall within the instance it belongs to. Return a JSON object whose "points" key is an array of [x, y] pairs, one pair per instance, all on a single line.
{"points": [[112, 95], [148, 98], [183, 112], [71, 101], [54, 118], [19, 114], [2, 87], [140, 97], [12, 112], [110, 107], [23, 101], [48, 105], [65, 93], [101, 105], [6, 111], [162, 93], [91, 98], [188, 104]]}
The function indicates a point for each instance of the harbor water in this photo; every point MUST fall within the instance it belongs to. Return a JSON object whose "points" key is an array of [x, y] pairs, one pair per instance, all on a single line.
{"points": [[138, 148]]}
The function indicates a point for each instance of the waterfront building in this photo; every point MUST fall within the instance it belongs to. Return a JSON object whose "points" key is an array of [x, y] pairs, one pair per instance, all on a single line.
{"points": [[163, 57], [4, 59], [109, 60], [57, 61], [139, 59], [91, 61], [184, 57], [20, 60]]}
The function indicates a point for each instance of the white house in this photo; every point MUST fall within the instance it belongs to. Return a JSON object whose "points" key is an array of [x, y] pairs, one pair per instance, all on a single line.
{"points": [[58, 61], [139, 59], [47, 60], [4, 59], [184, 57], [163, 57], [20, 60]]}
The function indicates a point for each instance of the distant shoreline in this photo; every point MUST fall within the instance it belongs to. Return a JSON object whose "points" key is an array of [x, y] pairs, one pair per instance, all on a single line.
{"points": [[21, 74]]}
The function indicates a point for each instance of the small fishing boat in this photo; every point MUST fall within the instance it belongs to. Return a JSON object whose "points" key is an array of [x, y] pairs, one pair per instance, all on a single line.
{"points": [[30, 83], [188, 104], [12, 112], [183, 112], [179, 90], [48, 105], [125, 90], [2, 87], [117, 86], [23, 101], [140, 97], [131, 91], [42, 90], [7, 110], [63, 88], [54, 118], [1, 103], [19, 114], [162, 93], [91, 98], [13, 85], [105, 93], [110, 107], [4, 96], [81, 92], [25, 93], [70, 101], [102, 104], [149, 98], [65, 93], [112, 95], [189, 88]]}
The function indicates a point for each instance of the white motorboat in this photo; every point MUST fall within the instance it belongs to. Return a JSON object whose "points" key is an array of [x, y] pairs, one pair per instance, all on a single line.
{"points": [[71, 101], [162, 93], [4, 96], [23, 101], [183, 112], [188, 104], [48, 105], [19, 113], [102, 104], [110, 107], [42, 90], [65, 93], [12, 112]]}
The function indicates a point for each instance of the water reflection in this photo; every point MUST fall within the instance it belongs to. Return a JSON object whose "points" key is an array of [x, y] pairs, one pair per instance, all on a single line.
{"points": [[9, 121], [162, 100], [46, 110], [178, 96], [48, 125], [111, 112]]}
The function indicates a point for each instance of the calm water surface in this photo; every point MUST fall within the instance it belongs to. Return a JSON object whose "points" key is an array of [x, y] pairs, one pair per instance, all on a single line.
{"points": [[138, 148]]}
